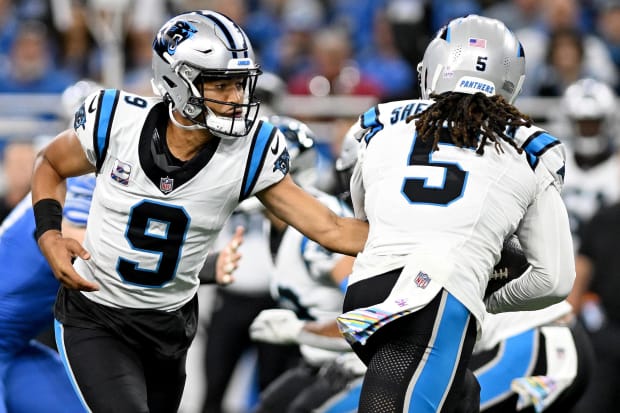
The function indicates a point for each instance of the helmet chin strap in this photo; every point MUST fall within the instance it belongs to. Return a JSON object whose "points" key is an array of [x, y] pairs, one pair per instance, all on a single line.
{"points": [[194, 126]]}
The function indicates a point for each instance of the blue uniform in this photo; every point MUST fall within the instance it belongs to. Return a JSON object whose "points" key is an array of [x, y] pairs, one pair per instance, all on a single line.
{"points": [[33, 378]]}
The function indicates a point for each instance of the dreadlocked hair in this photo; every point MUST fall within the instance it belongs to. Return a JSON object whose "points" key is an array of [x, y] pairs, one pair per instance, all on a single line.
{"points": [[470, 120]]}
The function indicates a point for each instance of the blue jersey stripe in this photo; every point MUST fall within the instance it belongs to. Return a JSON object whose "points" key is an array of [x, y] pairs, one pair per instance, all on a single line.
{"points": [[256, 158], [107, 106], [538, 143], [435, 379], [60, 344], [370, 120], [515, 361]]}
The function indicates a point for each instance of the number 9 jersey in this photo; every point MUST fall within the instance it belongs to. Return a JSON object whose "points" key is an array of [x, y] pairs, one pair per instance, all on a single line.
{"points": [[154, 218]]}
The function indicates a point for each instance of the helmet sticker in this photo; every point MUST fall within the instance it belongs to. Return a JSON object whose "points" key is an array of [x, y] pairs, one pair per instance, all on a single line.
{"points": [[169, 37]]}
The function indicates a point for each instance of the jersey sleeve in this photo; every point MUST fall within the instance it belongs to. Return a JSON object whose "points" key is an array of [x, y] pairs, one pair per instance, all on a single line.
{"points": [[93, 124], [546, 240], [268, 161], [545, 154]]}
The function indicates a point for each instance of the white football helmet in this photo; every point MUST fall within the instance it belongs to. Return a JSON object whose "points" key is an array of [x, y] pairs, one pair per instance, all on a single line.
{"points": [[198, 46], [590, 106], [473, 54]]}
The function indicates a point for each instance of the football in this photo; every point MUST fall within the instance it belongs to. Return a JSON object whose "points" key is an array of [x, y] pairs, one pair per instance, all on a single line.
{"points": [[512, 264]]}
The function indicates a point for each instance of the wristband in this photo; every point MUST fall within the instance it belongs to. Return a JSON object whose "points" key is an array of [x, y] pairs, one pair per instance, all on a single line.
{"points": [[47, 215]]}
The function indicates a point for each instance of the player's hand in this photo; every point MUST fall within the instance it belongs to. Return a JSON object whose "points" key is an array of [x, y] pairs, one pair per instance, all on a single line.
{"points": [[228, 259], [276, 326], [60, 253]]}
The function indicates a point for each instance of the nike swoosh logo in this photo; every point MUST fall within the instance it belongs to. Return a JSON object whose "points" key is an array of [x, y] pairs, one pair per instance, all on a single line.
{"points": [[91, 109], [274, 149]]}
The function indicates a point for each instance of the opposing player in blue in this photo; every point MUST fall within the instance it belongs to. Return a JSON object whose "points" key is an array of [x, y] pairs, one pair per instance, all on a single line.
{"points": [[171, 169], [33, 378]]}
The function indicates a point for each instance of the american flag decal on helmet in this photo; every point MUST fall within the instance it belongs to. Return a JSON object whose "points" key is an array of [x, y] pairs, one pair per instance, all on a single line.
{"points": [[477, 42]]}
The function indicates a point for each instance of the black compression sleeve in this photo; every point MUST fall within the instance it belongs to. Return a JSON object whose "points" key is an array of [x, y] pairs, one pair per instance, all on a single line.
{"points": [[47, 215]]}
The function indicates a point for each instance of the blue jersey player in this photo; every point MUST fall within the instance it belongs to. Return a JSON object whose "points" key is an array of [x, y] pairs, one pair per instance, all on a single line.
{"points": [[33, 378]]}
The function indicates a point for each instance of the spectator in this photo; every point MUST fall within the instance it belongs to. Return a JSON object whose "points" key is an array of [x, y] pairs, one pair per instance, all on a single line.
{"points": [[31, 69], [385, 64], [608, 28], [290, 53], [17, 163], [8, 29], [357, 18], [517, 14], [333, 71], [563, 65], [444, 11], [561, 16]]}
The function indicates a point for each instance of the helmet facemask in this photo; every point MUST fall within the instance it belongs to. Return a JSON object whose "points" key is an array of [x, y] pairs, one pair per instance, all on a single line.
{"points": [[242, 116]]}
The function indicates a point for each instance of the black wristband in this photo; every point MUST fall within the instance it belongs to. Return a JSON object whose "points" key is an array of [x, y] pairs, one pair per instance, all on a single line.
{"points": [[47, 215]]}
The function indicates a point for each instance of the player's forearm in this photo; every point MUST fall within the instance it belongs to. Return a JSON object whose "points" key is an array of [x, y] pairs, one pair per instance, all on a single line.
{"points": [[46, 182], [531, 291]]}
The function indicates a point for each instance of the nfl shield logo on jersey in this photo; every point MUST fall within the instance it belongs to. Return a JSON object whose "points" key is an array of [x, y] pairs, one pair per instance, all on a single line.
{"points": [[422, 279], [166, 184]]}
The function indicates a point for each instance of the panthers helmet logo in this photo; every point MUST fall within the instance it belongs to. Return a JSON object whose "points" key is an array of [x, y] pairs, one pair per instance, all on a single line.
{"points": [[282, 163], [171, 36], [80, 118]]}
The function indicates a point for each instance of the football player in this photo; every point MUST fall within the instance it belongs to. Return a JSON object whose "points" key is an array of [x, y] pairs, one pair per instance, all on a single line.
{"points": [[589, 111], [443, 181], [306, 280], [170, 171], [535, 359], [33, 376]]}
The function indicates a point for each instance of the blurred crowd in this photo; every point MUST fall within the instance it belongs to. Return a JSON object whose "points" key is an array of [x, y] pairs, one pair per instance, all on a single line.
{"points": [[307, 47], [317, 47], [344, 47]]}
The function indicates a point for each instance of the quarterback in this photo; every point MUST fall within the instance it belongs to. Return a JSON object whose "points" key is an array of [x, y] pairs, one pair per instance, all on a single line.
{"points": [[170, 171]]}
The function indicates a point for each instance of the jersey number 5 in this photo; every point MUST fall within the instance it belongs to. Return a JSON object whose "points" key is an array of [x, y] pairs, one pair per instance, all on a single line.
{"points": [[159, 229], [418, 191]]}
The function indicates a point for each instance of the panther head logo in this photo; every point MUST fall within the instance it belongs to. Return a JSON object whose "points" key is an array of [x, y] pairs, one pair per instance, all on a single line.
{"points": [[171, 36]]}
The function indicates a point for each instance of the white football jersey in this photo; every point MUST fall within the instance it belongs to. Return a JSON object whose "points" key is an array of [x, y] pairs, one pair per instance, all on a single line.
{"points": [[302, 278], [447, 212], [150, 229], [587, 190]]}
